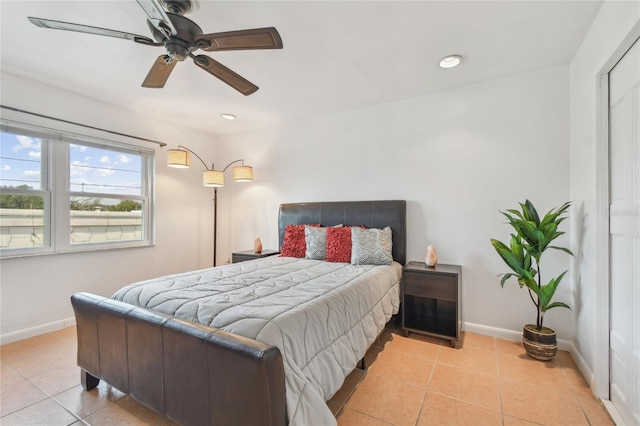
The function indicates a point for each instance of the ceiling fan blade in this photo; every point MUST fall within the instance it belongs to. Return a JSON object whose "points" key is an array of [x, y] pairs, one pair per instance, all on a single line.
{"points": [[218, 70], [159, 72], [58, 25], [158, 17], [258, 38]]}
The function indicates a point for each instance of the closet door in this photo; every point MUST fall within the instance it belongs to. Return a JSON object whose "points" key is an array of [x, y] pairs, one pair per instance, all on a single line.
{"points": [[624, 234]]}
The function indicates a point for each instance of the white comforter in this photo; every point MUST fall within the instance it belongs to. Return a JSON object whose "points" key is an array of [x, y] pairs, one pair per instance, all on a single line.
{"points": [[322, 316]]}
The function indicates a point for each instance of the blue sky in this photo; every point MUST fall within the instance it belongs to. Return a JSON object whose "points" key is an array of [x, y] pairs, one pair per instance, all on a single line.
{"points": [[91, 169]]}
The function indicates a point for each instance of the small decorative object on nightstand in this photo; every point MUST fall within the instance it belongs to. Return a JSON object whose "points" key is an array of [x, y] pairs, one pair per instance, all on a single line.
{"points": [[241, 256], [257, 245], [431, 258], [431, 300]]}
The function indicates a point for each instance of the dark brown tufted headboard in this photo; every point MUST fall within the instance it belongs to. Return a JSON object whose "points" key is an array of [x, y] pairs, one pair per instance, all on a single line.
{"points": [[372, 214]]}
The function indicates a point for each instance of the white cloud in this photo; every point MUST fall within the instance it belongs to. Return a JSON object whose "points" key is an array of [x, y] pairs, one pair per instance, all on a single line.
{"points": [[79, 148], [25, 142], [6, 167], [123, 159], [76, 169], [31, 173], [105, 159], [35, 155], [104, 172]]}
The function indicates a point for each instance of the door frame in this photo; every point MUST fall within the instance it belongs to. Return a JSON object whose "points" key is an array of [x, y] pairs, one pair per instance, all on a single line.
{"points": [[602, 266]]}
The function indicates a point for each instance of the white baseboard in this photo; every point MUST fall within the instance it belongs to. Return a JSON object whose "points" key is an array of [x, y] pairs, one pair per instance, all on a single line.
{"points": [[503, 333], [14, 336], [618, 420], [582, 366]]}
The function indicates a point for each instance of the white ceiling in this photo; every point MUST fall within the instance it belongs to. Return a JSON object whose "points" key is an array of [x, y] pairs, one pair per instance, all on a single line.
{"points": [[337, 55]]}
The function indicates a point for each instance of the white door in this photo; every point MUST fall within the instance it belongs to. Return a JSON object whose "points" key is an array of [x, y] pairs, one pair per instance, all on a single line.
{"points": [[624, 229]]}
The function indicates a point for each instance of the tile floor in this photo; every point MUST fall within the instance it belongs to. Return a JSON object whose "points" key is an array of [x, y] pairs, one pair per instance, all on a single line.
{"points": [[409, 381]]}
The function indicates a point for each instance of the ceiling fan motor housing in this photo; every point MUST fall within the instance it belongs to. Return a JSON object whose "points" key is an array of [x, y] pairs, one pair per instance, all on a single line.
{"points": [[182, 43]]}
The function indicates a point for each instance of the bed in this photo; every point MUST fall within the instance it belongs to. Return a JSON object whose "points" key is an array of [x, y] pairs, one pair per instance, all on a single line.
{"points": [[236, 358]]}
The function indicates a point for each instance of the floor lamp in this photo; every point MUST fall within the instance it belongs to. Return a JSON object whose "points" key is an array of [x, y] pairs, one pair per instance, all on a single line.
{"points": [[181, 158]]}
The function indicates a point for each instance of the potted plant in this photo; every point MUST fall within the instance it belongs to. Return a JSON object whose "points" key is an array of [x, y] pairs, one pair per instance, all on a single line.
{"points": [[532, 237]]}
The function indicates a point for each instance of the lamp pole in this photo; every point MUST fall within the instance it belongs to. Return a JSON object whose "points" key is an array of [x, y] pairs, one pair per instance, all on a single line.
{"points": [[212, 177], [215, 209], [215, 223]]}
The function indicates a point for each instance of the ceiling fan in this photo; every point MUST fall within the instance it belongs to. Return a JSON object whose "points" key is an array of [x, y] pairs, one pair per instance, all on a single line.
{"points": [[181, 37]]}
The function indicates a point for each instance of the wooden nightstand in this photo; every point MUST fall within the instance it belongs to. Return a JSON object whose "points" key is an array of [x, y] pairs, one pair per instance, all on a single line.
{"points": [[242, 256], [431, 300]]}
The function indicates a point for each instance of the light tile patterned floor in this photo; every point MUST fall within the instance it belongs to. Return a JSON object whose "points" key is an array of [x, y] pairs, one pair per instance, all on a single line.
{"points": [[409, 381]]}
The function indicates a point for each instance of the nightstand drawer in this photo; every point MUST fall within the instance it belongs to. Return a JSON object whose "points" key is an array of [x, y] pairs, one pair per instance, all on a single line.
{"points": [[442, 287]]}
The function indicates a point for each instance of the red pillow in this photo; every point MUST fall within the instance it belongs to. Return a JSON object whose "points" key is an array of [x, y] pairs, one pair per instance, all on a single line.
{"points": [[294, 244], [339, 244]]}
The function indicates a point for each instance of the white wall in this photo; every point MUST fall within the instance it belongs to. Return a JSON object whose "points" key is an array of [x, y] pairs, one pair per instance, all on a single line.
{"points": [[457, 156], [613, 24], [35, 291]]}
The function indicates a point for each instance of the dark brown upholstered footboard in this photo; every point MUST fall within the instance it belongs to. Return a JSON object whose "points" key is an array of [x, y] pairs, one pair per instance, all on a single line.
{"points": [[194, 374]]}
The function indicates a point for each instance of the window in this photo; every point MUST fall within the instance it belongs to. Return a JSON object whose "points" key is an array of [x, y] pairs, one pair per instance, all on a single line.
{"points": [[60, 193], [24, 192]]}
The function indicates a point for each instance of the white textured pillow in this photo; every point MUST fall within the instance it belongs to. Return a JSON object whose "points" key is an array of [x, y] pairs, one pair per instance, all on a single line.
{"points": [[316, 240], [371, 246]]}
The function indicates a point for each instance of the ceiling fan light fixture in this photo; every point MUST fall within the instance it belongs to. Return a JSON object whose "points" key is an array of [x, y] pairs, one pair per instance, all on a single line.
{"points": [[227, 116], [450, 61]]}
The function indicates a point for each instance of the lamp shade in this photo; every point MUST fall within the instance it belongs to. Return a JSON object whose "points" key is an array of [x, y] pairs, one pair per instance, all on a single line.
{"points": [[213, 178], [178, 158], [243, 173]]}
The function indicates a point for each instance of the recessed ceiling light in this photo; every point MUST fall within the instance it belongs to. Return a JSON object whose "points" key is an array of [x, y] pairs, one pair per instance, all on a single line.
{"points": [[450, 61], [228, 116]]}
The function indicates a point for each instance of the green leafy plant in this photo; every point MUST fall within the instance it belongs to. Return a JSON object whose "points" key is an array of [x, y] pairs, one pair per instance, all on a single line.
{"points": [[531, 239]]}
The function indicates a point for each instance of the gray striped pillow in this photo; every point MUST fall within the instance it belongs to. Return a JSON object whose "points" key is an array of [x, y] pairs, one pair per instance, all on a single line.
{"points": [[371, 246]]}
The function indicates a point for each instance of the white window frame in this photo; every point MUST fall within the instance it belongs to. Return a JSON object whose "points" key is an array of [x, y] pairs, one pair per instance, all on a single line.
{"points": [[55, 187]]}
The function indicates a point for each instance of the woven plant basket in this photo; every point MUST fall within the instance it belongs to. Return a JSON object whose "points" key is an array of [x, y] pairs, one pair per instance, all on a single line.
{"points": [[539, 344]]}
